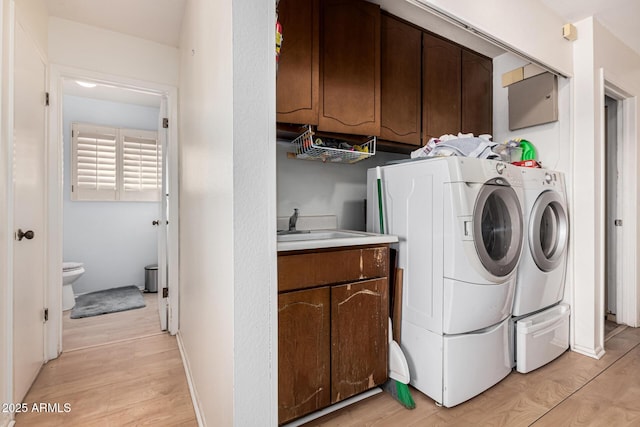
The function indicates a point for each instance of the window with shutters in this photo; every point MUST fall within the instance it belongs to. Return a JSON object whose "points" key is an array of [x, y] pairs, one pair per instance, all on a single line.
{"points": [[111, 164]]}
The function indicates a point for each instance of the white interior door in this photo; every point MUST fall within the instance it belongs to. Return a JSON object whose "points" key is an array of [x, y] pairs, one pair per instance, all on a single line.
{"points": [[29, 211], [163, 221]]}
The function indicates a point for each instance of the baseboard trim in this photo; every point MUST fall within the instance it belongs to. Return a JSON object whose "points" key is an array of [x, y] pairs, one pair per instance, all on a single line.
{"points": [[615, 332], [322, 412], [187, 371], [595, 353], [6, 421]]}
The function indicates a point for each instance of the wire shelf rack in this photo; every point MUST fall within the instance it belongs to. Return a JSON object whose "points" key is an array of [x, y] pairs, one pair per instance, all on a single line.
{"points": [[310, 148]]}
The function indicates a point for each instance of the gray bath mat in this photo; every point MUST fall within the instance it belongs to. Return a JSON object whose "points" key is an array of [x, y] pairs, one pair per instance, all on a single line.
{"points": [[107, 301]]}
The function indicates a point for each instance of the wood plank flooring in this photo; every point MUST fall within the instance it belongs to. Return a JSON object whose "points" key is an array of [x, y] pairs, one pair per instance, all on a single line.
{"points": [[117, 370], [113, 327], [125, 372], [573, 390]]}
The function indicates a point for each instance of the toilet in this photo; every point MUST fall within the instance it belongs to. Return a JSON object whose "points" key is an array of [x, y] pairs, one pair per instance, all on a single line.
{"points": [[71, 271]]}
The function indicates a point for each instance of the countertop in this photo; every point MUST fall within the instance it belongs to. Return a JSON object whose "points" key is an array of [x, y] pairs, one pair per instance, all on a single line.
{"points": [[312, 239]]}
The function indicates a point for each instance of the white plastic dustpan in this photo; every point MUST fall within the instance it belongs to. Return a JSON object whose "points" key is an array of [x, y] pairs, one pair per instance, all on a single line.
{"points": [[398, 367]]}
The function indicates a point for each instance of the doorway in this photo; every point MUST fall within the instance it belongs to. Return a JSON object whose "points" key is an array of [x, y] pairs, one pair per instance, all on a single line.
{"points": [[62, 78], [613, 221], [109, 208], [619, 212]]}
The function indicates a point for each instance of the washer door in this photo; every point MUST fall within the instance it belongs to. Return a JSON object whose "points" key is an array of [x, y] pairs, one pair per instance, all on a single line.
{"points": [[548, 231], [497, 227]]}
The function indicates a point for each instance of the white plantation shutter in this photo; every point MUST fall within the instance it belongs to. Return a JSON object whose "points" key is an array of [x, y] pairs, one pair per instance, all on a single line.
{"points": [[141, 165], [94, 163], [112, 164]]}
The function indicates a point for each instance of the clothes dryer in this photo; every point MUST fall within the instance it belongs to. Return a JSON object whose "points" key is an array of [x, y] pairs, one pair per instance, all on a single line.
{"points": [[460, 228], [541, 273]]}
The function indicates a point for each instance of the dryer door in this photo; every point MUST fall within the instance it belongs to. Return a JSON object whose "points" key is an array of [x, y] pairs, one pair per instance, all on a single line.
{"points": [[548, 230], [497, 227]]}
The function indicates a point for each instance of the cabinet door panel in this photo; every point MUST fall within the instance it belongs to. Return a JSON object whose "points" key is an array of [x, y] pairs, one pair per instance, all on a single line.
{"points": [[400, 74], [298, 82], [304, 320], [359, 328], [441, 86], [350, 77], [477, 99]]}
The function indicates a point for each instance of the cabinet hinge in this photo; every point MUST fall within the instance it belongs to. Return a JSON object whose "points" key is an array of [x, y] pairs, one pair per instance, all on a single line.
{"points": [[165, 123], [165, 292], [46, 314], [46, 99]]}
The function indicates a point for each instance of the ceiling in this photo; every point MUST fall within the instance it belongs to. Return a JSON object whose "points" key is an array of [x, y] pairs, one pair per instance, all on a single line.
{"points": [[618, 16], [155, 20], [160, 21]]}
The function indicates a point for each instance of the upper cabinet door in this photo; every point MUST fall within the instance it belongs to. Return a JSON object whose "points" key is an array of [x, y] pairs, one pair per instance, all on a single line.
{"points": [[441, 87], [350, 76], [477, 87], [401, 68], [297, 84]]}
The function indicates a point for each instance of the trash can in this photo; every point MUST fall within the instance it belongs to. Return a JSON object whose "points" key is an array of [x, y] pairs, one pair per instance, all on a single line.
{"points": [[151, 278]]}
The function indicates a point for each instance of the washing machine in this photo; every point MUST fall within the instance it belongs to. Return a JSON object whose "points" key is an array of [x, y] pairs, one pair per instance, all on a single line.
{"points": [[541, 273], [460, 227]]}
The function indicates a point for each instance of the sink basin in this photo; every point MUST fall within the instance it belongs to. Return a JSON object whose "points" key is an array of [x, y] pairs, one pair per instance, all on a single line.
{"points": [[319, 235]]}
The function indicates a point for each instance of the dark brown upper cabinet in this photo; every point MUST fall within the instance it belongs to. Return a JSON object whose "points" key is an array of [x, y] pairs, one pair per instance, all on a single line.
{"points": [[298, 81], [347, 68], [350, 67], [441, 87], [477, 93], [400, 81], [457, 90]]}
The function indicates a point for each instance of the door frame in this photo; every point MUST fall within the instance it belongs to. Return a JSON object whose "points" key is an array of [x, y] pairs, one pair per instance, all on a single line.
{"points": [[59, 73], [626, 287]]}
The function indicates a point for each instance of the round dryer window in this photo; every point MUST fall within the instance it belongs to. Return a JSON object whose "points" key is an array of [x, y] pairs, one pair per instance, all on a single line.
{"points": [[548, 231], [497, 227]]}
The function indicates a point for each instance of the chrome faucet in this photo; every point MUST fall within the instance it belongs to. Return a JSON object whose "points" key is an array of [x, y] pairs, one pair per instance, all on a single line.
{"points": [[292, 220]]}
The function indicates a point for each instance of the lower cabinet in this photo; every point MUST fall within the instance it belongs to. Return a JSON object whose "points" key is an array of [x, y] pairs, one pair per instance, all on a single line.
{"points": [[332, 337], [359, 343], [303, 352]]}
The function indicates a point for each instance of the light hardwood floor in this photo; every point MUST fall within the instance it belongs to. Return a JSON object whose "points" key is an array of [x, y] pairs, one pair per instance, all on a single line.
{"points": [[116, 370], [573, 390], [137, 378], [113, 327]]}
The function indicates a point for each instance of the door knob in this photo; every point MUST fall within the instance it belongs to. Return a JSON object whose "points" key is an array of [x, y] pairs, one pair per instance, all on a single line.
{"points": [[155, 222], [29, 234]]}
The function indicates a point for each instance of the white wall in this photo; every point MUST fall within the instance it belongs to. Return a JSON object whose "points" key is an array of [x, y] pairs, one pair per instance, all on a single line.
{"points": [[598, 52], [621, 68], [91, 48], [114, 240], [317, 188], [551, 140], [228, 307], [526, 25], [33, 15]]}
